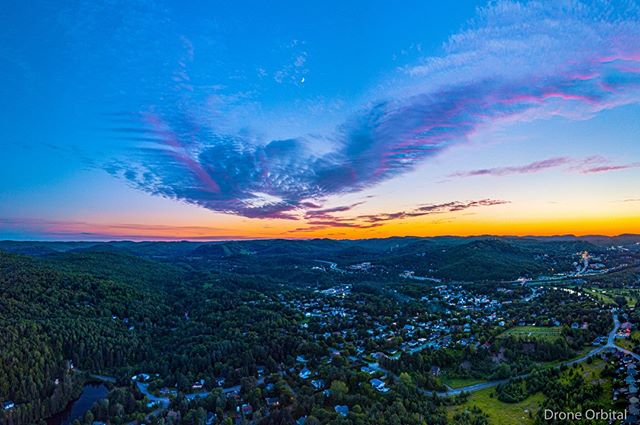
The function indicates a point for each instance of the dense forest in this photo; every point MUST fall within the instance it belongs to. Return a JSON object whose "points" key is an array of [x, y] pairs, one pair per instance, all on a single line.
{"points": [[239, 322]]}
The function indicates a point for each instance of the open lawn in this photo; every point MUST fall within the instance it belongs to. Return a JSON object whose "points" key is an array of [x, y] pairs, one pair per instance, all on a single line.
{"points": [[600, 295], [454, 382], [608, 295], [500, 413], [591, 373], [540, 332]]}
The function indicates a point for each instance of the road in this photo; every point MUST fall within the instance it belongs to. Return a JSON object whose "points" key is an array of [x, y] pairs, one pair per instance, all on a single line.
{"points": [[144, 389], [333, 266], [610, 345], [573, 276]]}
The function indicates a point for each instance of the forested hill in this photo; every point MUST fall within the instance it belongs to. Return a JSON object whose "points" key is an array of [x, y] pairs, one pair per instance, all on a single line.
{"points": [[111, 312], [449, 258], [52, 319]]}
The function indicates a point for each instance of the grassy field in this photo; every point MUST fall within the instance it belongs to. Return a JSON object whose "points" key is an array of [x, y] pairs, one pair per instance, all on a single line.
{"points": [[518, 413], [540, 332], [454, 382], [601, 296], [591, 373], [500, 413], [607, 295]]}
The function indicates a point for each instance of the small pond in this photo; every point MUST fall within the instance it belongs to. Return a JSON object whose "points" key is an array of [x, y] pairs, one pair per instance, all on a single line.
{"points": [[77, 408]]}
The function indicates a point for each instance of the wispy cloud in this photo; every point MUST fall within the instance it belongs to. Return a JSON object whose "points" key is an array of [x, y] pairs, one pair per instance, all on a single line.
{"points": [[611, 167], [328, 212], [84, 230], [514, 61], [588, 165], [532, 167], [328, 218], [430, 209]]}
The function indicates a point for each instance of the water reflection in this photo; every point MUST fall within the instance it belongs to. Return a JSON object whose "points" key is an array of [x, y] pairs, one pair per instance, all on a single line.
{"points": [[76, 409]]}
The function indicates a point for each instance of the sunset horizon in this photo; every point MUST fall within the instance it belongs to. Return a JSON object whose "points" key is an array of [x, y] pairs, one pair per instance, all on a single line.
{"points": [[320, 212], [158, 122]]}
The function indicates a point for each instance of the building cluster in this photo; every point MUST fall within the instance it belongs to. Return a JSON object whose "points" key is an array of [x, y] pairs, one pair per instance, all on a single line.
{"points": [[625, 389]]}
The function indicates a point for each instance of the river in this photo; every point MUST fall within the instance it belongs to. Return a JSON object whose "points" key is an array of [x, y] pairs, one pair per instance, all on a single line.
{"points": [[77, 408]]}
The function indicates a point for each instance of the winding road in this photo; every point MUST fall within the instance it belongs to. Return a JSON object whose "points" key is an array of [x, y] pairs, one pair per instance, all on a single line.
{"points": [[609, 345]]}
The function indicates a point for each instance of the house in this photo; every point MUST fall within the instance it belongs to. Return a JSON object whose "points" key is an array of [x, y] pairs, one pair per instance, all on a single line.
{"points": [[8, 405], [305, 373], [317, 384], [301, 420], [141, 377], [247, 409], [220, 382], [232, 391], [272, 401], [377, 384], [623, 333], [367, 369], [435, 370], [211, 417], [342, 410], [198, 384]]}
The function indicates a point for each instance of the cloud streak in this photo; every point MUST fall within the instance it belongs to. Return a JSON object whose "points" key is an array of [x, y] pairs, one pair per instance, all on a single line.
{"points": [[328, 217], [588, 165], [82, 230], [513, 62]]}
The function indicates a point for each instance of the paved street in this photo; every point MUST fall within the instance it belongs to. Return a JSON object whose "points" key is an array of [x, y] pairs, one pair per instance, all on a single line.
{"points": [[610, 345]]}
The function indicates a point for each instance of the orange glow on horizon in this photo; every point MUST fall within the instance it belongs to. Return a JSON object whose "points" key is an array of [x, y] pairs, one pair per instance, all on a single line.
{"points": [[470, 225]]}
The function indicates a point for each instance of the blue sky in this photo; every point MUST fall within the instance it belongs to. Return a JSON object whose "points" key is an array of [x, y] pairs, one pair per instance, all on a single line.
{"points": [[315, 118]]}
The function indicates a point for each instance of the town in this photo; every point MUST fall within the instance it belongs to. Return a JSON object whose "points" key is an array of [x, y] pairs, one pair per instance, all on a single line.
{"points": [[312, 341]]}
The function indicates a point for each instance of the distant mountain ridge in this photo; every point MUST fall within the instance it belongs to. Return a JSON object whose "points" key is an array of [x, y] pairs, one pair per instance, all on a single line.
{"points": [[447, 257], [163, 248]]}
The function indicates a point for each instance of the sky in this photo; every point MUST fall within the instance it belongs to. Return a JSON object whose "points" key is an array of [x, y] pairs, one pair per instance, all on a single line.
{"points": [[229, 120]]}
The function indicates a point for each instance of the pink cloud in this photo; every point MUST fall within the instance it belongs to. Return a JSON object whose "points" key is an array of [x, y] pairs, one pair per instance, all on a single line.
{"points": [[588, 165]]}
